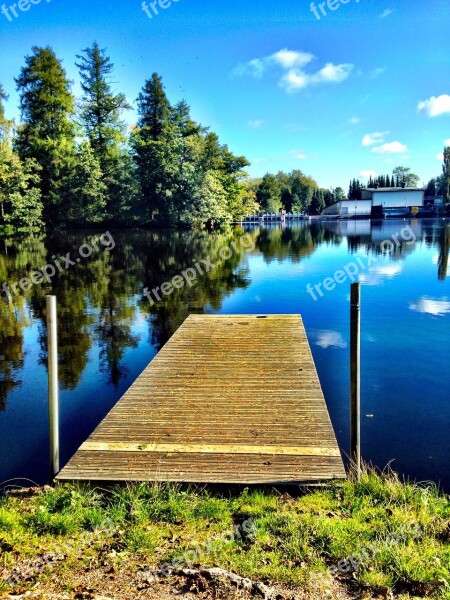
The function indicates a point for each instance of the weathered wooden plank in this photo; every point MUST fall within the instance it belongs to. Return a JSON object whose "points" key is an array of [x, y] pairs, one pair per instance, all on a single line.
{"points": [[231, 399]]}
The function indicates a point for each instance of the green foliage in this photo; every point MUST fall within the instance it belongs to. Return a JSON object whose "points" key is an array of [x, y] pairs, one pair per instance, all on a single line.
{"points": [[269, 194], [355, 190], [100, 113], [47, 132], [289, 191], [404, 177], [85, 191], [186, 176], [317, 202]]}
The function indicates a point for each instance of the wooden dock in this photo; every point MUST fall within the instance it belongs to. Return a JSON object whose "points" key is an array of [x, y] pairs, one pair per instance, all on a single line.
{"points": [[229, 399]]}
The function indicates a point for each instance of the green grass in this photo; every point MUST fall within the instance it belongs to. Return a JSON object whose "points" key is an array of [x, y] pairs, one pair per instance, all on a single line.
{"points": [[397, 532]]}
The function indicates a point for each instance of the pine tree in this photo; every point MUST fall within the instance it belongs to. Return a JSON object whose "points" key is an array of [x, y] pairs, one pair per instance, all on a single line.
{"points": [[86, 188], [154, 109], [101, 110], [154, 142], [181, 117], [317, 203], [47, 131]]}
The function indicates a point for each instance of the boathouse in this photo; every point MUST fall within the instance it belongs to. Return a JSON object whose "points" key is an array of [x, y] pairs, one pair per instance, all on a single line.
{"points": [[397, 201]]}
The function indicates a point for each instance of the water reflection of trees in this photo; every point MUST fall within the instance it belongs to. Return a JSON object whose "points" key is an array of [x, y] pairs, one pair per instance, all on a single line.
{"points": [[444, 249], [295, 242], [100, 299], [15, 260], [12, 322], [168, 254]]}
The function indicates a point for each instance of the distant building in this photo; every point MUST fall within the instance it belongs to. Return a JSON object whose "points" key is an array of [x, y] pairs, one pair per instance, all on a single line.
{"points": [[348, 209], [394, 197], [379, 202]]}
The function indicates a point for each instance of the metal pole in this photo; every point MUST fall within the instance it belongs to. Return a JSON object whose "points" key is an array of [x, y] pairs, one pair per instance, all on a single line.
{"points": [[355, 379], [53, 392]]}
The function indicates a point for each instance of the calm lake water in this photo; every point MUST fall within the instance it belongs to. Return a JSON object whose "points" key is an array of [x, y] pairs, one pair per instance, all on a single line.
{"points": [[109, 331]]}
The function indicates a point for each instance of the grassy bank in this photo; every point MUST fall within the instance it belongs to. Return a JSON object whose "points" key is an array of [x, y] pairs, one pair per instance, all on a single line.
{"points": [[378, 536]]}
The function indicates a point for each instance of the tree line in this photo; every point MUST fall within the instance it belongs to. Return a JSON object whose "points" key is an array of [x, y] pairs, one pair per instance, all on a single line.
{"points": [[73, 161], [293, 192]]}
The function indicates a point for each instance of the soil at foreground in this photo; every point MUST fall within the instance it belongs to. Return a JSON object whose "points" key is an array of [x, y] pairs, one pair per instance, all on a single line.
{"points": [[378, 538]]}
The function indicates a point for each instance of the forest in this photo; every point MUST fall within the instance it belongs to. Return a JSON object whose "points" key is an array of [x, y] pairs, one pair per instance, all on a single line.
{"points": [[73, 162]]}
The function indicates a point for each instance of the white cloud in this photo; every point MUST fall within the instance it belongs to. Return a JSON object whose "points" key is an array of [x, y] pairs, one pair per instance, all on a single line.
{"points": [[288, 59], [377, 275], [284, 58], [436, 105], [376, 73], [256, 123], [377, 137], [301, 156], [391, 148], [447, 142], [292, 62], [260, 161], [368, 173], [429, 306], [295, 79], [331, 73], [440, 156], [387, 13], [389, 270], [354, 120]]}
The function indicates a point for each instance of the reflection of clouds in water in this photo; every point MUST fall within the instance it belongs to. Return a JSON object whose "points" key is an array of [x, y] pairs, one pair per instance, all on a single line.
{"points": [[328, 339], [431, 307], [375, 275]]}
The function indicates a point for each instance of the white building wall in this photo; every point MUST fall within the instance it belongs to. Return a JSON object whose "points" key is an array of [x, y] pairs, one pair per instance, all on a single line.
{"points": [[398, 199], [349, 208]]}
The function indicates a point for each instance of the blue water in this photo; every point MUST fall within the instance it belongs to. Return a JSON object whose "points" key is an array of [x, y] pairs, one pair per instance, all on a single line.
{"points": [[109, 331]]}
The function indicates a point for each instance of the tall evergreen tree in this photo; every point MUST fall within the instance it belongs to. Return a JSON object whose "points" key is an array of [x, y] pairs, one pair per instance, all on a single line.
{"points": [[47, 131], [317, 202], [154, 144], [101, 111], [154, 109]]}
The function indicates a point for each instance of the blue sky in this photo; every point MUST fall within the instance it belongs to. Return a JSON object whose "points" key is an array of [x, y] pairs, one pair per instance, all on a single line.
{"points": [[364, 88]]}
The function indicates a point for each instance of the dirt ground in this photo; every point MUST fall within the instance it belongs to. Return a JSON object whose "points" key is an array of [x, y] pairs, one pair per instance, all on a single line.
{"points": [[105, 583]]}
